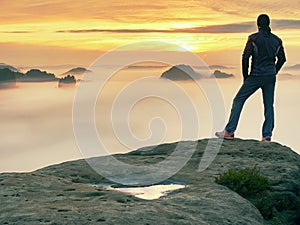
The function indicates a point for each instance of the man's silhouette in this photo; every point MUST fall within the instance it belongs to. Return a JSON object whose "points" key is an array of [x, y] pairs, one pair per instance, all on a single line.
{"points": [[264, 48]]}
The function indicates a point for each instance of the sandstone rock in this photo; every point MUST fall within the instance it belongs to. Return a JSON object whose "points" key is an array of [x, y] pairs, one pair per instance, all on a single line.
{"points": [[7, 78], [219, 74], [67, 194], [181, 72], [77, 71]]}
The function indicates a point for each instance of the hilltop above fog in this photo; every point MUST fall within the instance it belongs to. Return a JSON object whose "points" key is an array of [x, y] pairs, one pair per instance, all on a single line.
{"points": [[9, 75], [6, 66], [186, 72], [72, 193], [77, 71]]}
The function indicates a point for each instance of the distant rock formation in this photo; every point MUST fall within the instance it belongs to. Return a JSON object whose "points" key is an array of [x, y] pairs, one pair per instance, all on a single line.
{"points": [[67, 81], [77, 71], [4, 66], [7, 78], [219, 74], [181, 72], [35, 75], [73, 193]]}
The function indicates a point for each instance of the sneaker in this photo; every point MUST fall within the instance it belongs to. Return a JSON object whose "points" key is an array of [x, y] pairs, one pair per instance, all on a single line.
{"points": [[266, 139], [225, 135]]}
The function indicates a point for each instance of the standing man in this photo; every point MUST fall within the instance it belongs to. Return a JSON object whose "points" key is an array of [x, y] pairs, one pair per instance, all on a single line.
{"points": [[264, 48]]}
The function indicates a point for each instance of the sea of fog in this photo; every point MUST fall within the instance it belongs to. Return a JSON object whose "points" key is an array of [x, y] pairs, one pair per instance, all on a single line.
{"points": [[133, 109]]}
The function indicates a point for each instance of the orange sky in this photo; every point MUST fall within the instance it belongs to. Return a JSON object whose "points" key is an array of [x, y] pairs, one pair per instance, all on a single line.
{"points": [[57, 32]]}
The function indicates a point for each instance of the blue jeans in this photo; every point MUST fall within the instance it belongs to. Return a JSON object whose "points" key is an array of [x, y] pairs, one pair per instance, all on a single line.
{"points": [[251, 84]]}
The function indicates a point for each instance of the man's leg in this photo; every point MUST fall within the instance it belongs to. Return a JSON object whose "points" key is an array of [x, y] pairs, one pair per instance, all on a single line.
{"points": [[268, 100], [247, 89]]}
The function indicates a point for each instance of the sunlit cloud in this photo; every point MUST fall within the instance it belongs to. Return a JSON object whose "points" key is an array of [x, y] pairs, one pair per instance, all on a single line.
{"points": [[93, 25]]}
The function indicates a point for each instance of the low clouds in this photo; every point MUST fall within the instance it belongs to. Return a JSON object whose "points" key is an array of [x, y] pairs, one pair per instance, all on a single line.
{"points": [[213, 29], [217, 29], [225, 28], [116, 31], [16, 32], [294, 67], [286, 24]]}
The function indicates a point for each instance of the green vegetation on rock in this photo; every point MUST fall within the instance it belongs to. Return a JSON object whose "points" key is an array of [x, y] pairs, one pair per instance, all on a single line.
{"points": [[250, 184], [246, 182]]}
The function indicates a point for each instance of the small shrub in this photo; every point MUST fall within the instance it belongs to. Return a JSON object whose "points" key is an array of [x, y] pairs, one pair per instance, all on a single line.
{"points": [[298, 202], [297, 218], [251, 185], [265, 206], [281, 207], [282, 204], [246, 182], [284, 201]]}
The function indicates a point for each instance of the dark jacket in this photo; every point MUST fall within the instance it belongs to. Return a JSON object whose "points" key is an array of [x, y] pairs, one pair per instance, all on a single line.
{"points": [[264, 47]]}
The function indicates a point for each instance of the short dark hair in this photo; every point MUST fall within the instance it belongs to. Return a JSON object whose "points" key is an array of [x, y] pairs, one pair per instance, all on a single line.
{"points": [[263, 21]]}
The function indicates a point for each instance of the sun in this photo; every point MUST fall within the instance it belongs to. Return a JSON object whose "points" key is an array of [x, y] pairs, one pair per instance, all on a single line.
{"points": [[181, 25], [184, 45]]}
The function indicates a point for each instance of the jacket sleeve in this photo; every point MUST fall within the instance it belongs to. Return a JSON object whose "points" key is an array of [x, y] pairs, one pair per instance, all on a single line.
{"points": [[248, 51], [281, 59]]}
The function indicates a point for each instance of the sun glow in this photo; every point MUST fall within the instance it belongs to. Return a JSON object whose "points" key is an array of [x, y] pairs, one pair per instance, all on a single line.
{"points": [[101, 26], [182, 25], [184, 46]]}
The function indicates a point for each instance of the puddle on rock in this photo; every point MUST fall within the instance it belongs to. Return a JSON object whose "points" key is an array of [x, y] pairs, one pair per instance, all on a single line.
{"points": [[150, 192]]}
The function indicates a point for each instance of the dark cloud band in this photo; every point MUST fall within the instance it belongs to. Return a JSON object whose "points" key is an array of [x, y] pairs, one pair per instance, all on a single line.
{"points": [[213, 29], [16, 32]]}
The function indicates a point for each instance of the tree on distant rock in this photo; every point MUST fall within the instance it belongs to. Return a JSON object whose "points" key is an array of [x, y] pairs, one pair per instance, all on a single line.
{"points": [[35, 75], [67, 81]]}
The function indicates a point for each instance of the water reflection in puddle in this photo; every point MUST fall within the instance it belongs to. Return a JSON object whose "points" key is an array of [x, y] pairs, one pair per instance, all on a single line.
{"points": [[150, 192]]}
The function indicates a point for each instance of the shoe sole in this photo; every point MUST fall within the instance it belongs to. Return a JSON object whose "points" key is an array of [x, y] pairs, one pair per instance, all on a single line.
{"points": [[225, 137], [268, 139], [228, 138]]}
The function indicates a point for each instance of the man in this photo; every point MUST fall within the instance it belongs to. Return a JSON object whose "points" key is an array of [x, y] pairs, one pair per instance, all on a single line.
{"points": [[263, 47]]}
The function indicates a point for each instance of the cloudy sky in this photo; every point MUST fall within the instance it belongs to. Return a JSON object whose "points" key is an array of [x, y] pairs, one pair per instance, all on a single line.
{"points": [[57, 32]]}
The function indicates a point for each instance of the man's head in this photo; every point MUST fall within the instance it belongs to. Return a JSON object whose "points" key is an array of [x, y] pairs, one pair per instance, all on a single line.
{"points": [[263, 21]]}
